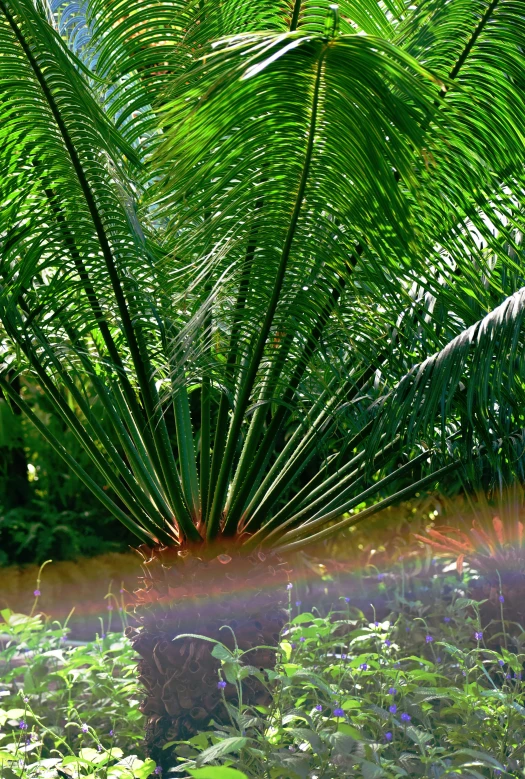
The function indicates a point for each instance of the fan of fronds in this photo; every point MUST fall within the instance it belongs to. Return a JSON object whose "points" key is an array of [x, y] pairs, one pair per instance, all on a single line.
{"points": [[279, 241]]}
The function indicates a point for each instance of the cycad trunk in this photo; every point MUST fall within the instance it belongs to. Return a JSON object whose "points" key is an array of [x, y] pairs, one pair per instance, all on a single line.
{"points": [[184, 593]]}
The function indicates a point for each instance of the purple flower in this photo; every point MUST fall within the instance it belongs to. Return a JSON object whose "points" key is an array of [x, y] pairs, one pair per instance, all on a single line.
{"points": [[347, 600], [297, 603], [478, 635], [343, 657], [111, 733], [392, 691], [501, 662], [407, 630], [506, 677], [289, 586], [339, 712], [110, 607], [99, 747], [221, 685], [388, 736], [318, 707], [397, 665], [388, 642], [36, 593], [392, 709], [376, 623], [302, 639], [363, 667], [22, 725], [84, 728], [158, 770], [380, 577], [405, 717], [429, 639], [501, 599], [293, 645], [438, 659], [446, 619]]}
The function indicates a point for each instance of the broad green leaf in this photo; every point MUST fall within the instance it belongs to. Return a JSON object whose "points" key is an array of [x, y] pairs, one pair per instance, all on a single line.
{"points": [[224, 747]]}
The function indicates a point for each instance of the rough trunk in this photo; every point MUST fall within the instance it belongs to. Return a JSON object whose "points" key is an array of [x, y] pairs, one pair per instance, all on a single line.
{"points": [[183, 593]]}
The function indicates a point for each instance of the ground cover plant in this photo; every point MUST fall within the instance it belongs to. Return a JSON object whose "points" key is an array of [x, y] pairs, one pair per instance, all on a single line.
{"points": [[420, 694], [264, 260]]}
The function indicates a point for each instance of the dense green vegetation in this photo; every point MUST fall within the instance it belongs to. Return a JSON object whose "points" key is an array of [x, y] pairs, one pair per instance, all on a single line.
{"points": [[263, 259], [426, 692], [261, 278]]}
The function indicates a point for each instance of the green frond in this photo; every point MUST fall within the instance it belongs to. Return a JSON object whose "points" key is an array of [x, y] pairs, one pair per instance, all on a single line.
{"points": [[281, 242]]}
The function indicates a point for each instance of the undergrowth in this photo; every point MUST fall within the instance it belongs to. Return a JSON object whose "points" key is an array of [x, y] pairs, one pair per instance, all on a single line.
{"points": [[429, 692]]}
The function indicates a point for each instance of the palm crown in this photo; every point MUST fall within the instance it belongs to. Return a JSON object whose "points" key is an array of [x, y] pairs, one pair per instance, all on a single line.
{"points": [[280, 242]]}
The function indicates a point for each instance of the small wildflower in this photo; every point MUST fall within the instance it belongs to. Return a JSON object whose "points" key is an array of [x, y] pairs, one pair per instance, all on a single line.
{"points": [[111, 733], [501, 662], [84, 728], [28, 741], [302, 639], [318, 707], [388, 736], [103, 635], [392, 691], [376, 623], [343, 657], [291, 748], [339, 712], [293, 645], [501, 599], [380, 577], [22, 725], [507, 676], [438, 659], [289, 586], [388, 642], [392, 709], [99, 747], [298, 603], [397, 664], [158, 770], [405, 717], [347, 600], [478, 635], [26, 699], [110, 607], [121, 590], [446, 619], [429, 639], [221, 685], [407, 630], [36, 593], [363, 667]]}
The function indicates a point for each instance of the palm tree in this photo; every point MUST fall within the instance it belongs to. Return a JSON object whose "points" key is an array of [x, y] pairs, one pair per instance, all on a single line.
{"points": [[280, 242]]}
